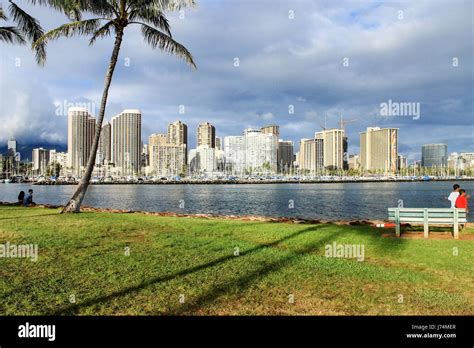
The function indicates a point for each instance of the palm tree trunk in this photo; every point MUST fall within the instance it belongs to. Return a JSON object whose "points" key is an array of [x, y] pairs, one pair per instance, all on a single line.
{"points": [[74, 204]]}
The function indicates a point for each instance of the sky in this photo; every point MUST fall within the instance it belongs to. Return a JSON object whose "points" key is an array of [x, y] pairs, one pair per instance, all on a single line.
{"points": [[319, 59]]}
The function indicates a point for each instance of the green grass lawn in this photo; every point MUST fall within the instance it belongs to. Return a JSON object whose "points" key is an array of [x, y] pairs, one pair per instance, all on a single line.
{"points": [[192, 260]]}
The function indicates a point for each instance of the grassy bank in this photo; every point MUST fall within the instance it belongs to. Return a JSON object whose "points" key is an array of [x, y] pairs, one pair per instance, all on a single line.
{"points": [[84, 257]]}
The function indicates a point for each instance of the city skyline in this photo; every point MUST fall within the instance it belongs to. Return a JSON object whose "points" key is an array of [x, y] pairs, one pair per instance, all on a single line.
{"points": [[382, 60], [177, 134], [256, 150], [267, 159]]}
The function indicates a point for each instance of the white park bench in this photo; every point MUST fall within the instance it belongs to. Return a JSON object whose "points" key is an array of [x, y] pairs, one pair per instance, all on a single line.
{"points": [[428, 216]]}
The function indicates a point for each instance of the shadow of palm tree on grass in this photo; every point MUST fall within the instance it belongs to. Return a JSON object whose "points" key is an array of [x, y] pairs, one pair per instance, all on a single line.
{"points": [[72, 309], [242, 282], [245, 281]]}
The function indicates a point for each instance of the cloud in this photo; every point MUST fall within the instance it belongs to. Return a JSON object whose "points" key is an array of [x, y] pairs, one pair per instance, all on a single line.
{"points": [[267, 116], [28, 112], [403, 56]]}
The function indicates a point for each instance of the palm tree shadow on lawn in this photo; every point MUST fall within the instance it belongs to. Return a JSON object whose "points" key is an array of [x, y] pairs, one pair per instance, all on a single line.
{"points": [[242, 282], [245, 281]]}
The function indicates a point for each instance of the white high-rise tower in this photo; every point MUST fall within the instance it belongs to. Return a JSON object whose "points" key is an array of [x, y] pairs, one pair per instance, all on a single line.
{"points": [[80, 135]]}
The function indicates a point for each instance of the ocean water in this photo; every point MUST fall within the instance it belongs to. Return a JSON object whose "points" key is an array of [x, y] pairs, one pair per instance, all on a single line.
{"points": [[333, 201]]}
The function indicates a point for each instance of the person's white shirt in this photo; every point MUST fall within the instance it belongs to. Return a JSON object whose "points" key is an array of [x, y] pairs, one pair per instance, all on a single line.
{"points": [[452, 197]]}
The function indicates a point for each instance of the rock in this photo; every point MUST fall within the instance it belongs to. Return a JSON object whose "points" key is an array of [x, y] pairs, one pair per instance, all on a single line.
{"points": [[287, 220]]}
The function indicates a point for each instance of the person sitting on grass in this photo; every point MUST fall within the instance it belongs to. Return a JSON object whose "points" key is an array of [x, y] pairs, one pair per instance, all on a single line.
{"points": [[29, 199], [21, 197], [454, 195]]}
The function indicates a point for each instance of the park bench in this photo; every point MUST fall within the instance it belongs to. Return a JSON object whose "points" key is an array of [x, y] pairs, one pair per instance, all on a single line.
{"points": [[428, 216]]}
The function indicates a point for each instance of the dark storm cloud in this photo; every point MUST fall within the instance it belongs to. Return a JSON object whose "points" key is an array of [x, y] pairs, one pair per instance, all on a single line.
{"points": [[402, 56]]}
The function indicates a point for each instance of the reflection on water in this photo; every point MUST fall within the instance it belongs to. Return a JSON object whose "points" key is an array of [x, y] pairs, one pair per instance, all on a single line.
{"points": [[312, 201]]}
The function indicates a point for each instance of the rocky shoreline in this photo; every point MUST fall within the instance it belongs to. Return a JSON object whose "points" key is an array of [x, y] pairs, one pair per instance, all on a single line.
{"points": [[289, 220]]}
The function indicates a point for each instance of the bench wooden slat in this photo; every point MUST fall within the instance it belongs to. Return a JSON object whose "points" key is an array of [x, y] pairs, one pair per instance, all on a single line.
{"points": [[430, 220], [427, 216], [446, 216], [430, 209], [406, 214]]}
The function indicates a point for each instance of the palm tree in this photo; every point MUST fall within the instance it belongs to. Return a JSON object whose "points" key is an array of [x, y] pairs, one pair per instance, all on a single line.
{"points": [[27, 28], [113, 17], [10, 34]]}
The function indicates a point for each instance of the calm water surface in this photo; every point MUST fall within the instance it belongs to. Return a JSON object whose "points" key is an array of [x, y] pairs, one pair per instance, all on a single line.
{"points": [[312, 201]]}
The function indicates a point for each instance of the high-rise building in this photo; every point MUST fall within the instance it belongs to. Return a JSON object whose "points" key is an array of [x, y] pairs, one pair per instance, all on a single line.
{"points": [[203, 159], [104, 149], [193, 164], [345, 154], [12, 145], [81, 130], [206, 135], [379, 149], [2, 165], [59, 158], [220, 159], [353, 162], [260, 151], [234, 154], [218, 143], [168, 152], [253, 152], [178, 133], [271, 129], [434, 155], [311, 155], [467, 159], [13, 154], [461, 161], [453, 160], [126, 135], [41, 160], [285, 156], [145, 156], [334, 147], [168, 159], [155, 140], [402, 162]]}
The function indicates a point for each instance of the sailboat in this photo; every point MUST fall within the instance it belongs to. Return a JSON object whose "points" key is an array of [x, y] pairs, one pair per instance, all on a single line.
{"points": [[7, 180]]}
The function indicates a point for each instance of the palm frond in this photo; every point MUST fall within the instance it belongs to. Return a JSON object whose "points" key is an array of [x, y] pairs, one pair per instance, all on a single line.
{"points": [[162, 5], [11, 35], [173, 5], [102, 8], [102, 32], [150, 15], [70, 8], [156, 38], [29, 27], [84, 27], [2, 15]]}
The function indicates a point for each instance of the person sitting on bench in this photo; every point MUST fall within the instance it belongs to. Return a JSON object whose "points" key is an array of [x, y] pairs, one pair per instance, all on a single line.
{"points": [[454, 195], [461, 202]]}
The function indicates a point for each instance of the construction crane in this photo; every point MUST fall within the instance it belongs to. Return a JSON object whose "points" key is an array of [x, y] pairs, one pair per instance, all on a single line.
{"points": [[323, 126], [342, 123]]}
